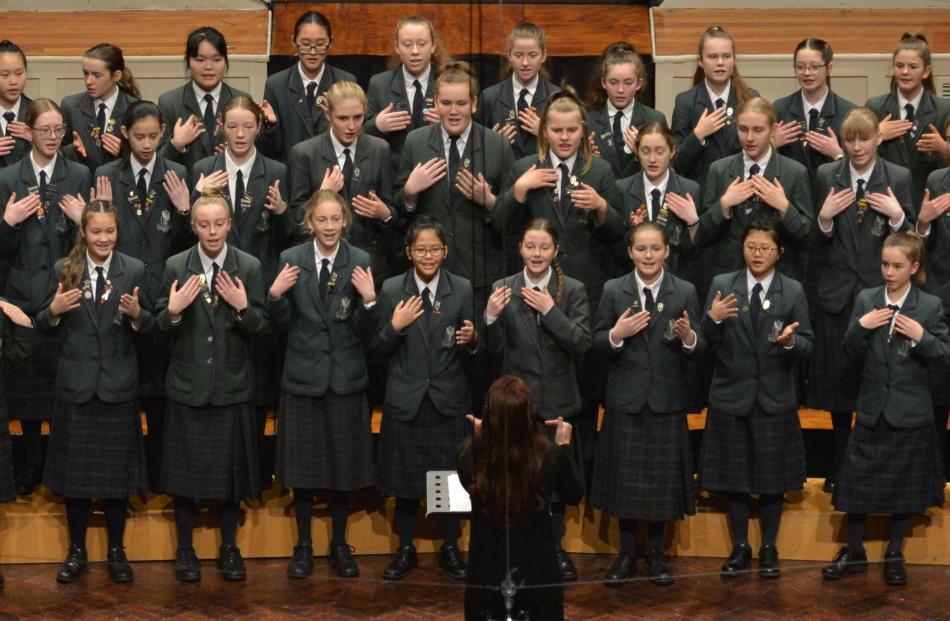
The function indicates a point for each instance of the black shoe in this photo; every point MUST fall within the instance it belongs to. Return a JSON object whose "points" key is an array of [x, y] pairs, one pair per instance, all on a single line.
{"points": [[828, 486], [768, 562], [404, 560], [895, 574], [738, 560], [27, 480], [187, 565], [231, 564], [565, 565], [846, 563], [75, 565], [621, 570], [119, 568], [657, 570], [452, 562], [301, 563], [341, 560]]}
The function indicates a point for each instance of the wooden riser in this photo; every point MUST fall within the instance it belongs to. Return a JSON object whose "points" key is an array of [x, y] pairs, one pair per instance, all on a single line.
{"points": [[33, 530]]}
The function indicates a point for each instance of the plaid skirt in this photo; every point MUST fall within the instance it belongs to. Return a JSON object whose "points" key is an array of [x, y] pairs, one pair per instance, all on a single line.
{"points": [[325, 442], [96, 451], [890, 470], [410, 448], [644, 466], [756, 454], [7, 485], [211, 452], [835, 377], [31, 387]]}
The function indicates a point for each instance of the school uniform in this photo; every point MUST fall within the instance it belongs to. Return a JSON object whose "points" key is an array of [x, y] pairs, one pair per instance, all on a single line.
{"points": [[892, 464], [853, 263], [753, 442], [607, 130], [21, 148], [297, 121], [644, 464], [499, 104], [389, 87], [427, 392], [81, 113], [16, 347], [372, 172], [634, 196], [211, 440], [95, 446], [32, 248], [475, 235], [182, 102], [930, 110], [938, 280], [324, 438], [694, 157], [725, 234]]}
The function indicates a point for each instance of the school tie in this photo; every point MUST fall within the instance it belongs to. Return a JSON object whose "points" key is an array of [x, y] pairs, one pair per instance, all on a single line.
{"points": [[42, 188], [347, 172], [239, 204], [618, 138], [454, 159], [427, 301], [214, 278], [418, 103], [209, 114], [101, 120], [654, 204], [537, 315], [142, 187], [720, 103], [755, 306], [858, 197], [312, 96], [324, 279], [563, 198], [100, 284], [522, 106], [909, 107], [649, 304], [9, 117], [754, 170], [813, 119], [890, 328]]}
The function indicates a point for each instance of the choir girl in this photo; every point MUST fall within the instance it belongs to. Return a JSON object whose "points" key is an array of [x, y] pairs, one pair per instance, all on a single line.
{"points": [[15, 135]]}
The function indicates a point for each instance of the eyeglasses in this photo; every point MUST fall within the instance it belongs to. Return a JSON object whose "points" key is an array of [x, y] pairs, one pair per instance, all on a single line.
{"points": [[765, 251], [47, 132], [422, 252], [318, 47], [808, 68]]}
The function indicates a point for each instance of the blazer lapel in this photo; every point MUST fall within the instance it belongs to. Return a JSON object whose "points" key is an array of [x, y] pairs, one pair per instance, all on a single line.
{"points": [[397, 88], [667, 288], [359, 168], [298, 98], [107, 310], [438, 303], [193, 266], [256, 188], [525, 313], [773, 299], [339, 267], [311, 277], [126, 187], [741, 289], [437, 149], [189, 103]]}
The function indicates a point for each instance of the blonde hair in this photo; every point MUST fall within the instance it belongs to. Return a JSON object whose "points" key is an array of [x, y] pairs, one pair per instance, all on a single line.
{"points": [[859, 123], [526, 30], [439, 55], [212, 194], [565, 101], [344, 90], [325, 196], [74, 267], [743, 92], [457, 72]]}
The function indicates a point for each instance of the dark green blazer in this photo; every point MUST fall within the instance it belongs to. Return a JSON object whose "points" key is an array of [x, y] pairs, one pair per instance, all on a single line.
{"points": [[682, 246], [894, 376], [181, 103], [474, 234], [158, 233], [16, 346], [325, 339], [903, 151], [649, 369], [693, 158], [725, 236], [386, 88], [424, 358], [750, 366], [97, 356], [602, 127], [832, 113], [256, 229], [854, 255], [35, 245], [211, 362], [938, 242], [586, 250], [21, 148], [310, 160], [79, 113], [497, 104], [543, 354], [285, 92]]}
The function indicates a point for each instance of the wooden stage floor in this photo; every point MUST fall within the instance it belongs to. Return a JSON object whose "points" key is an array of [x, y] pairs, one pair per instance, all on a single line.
{"points": [[32, 592]]}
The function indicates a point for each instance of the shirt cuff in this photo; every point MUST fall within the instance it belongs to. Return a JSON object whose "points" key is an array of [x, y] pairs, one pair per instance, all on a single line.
{"points": [[826, 231], [924, 233], [900, 223], [689, 348], [369, 305], [613, 343], [490, 319]]}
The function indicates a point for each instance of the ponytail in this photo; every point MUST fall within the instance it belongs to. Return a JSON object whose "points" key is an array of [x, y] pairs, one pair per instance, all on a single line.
{"points": [[74, 267], [111, 55]]}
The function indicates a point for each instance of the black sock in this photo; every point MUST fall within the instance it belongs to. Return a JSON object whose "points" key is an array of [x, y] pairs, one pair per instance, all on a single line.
{"points": [[115, 510], [185, 521], [655, 532], [738, 507], [77, 518], [856, 523], [407, 511], [896, 532], [557, 523], [451, 530], [339, 513], [32, 443], [841, 425], [303, 511], [228, 514], [628, 537], [770, 516]]}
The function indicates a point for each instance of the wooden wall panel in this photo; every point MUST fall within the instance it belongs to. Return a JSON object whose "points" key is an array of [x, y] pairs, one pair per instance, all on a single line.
{"points": [[778, 31]]}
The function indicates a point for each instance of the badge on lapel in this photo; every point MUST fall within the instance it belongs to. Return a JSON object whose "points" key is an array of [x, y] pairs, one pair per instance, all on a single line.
{"points": [[448, 336], [87, 289]]}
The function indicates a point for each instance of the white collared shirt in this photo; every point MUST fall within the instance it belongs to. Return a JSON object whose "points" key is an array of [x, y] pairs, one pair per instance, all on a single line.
{"points": [[654, 287], [866, 175], [408, 78], [149, 168], [319, 256], [432, 285], [648, 188], [541, 284], [200, 95], [625, 120], [338, 148], [724, 96], [751, 282], [517, 87], [462, 141], [91, 266], [899, 304], [233, 169], [556, 161], [16, 114], [207, 262], [747, 163], [110, 104], [902, 101], [807, 105], [306, 81], [48, 168]]}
